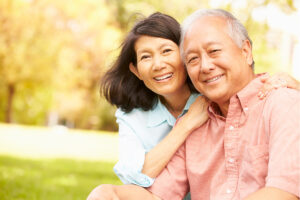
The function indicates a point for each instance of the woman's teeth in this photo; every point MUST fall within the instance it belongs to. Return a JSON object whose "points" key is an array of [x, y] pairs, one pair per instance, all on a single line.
{"points": [[163, 77]]}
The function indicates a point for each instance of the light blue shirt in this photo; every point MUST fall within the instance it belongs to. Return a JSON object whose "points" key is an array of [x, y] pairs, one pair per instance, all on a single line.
{"points": [[139, 132]]}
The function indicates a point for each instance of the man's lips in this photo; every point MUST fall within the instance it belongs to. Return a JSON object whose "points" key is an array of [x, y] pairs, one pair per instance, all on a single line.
{"points": [[213, 79], [163, 77]]}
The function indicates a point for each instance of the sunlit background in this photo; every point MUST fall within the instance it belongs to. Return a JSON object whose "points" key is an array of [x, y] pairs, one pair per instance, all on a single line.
{"points": [[53, 53], [52, 56]]}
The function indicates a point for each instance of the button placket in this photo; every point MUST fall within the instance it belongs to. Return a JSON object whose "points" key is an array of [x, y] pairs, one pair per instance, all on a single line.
{"points": [[230, 144]]}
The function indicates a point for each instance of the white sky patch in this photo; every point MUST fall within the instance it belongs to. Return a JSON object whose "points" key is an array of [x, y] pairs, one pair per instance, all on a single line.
{"points": [[239, 4], [219, 3]]}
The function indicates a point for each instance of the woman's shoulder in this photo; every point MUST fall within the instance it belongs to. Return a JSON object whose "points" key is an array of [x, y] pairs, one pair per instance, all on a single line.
{"points": [[134, 114]]}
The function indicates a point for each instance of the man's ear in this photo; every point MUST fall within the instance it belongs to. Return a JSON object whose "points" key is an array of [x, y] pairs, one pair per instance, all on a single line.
{"points": [[134, 70], [247, 51]]}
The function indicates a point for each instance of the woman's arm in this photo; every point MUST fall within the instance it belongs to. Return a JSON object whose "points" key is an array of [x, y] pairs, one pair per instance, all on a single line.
{"points": [[131, 156], [155, 160], [160, 155]]}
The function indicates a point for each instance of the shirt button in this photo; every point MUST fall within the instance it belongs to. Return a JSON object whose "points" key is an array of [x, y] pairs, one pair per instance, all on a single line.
{"points": [[246, 109], [231, 160], [231, 128], [228, 191]]}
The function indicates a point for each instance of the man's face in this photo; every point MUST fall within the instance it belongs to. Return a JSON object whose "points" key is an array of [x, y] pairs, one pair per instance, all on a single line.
{"points": [[217, 67]]}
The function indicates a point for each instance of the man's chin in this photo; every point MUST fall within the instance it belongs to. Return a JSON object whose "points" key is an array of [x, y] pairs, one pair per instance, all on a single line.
{"points": [[217, 98]]}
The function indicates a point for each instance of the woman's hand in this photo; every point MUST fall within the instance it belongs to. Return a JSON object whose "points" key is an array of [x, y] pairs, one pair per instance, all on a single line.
{"points": [[276, 81], [103, 192], [197, 113]]}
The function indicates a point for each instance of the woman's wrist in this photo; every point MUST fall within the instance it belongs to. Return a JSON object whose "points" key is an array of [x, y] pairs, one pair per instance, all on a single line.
{"points": [[187, 125]]}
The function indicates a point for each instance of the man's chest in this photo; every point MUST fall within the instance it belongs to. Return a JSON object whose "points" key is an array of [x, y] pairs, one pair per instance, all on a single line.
{"points": [[228, 158]]}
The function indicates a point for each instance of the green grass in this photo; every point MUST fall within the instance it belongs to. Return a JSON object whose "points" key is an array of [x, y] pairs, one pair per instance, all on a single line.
{"points": [[45, 179]]}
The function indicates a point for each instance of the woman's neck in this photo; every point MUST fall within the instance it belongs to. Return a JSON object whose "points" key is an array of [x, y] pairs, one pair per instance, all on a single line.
{"points": [[175, 103]]}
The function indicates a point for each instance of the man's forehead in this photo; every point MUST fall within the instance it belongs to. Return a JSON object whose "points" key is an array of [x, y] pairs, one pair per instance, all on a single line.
{"points": [[208, 22], [209, 30]]}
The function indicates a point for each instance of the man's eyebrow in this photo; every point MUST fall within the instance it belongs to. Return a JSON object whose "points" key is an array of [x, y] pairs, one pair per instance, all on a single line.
{"points": [[211, 43], [188, 52], [205, 45]]}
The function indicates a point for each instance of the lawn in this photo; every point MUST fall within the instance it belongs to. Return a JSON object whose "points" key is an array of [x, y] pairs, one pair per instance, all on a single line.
{"points": [[55, 179]]}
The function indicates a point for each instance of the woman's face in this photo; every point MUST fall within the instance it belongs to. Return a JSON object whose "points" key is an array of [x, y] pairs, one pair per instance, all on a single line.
{"points": [[159, 65]]}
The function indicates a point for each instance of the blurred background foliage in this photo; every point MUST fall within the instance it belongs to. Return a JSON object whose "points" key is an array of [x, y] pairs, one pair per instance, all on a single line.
{"points": [[53, 53]]}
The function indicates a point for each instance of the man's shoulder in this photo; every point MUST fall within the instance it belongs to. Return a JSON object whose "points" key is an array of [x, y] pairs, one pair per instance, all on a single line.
{"points": [[283, 101], [283, 96]]}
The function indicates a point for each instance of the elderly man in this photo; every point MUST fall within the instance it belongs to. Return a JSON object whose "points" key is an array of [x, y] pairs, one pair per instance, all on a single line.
{"points": [[249, 148]]}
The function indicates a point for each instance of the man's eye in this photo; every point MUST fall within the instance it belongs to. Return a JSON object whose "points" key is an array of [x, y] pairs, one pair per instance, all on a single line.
{"points": [[192, 59], [167, 50], [215, 50]]}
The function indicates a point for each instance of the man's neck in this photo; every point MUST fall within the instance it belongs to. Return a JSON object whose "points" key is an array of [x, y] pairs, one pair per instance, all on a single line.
{"points": [[223, 106]]}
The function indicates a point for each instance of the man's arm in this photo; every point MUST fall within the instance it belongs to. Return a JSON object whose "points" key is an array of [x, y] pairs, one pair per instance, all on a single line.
{"points": [[282, 181], [270, 193], [121, 192]]}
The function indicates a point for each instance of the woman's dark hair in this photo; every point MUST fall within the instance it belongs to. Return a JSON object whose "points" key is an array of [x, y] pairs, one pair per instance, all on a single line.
{"points": [[119, 85]]}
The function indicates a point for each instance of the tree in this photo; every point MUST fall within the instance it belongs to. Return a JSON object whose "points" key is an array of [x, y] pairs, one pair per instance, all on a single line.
{"points": [[25, 49]]}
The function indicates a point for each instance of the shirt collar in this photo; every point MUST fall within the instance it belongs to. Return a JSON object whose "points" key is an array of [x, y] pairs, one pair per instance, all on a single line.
{"points": [[159, 113], [247, 97]]}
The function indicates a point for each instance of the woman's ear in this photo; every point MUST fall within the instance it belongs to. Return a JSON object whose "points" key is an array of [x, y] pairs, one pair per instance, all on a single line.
{"points": [[134, 70]]}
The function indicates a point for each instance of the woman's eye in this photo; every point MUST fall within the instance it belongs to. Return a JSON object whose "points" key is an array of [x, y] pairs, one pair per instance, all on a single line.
{"points": [[145, 57]]}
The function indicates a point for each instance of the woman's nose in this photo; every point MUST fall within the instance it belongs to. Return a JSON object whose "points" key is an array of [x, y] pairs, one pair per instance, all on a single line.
{"points": [[158, 63]]}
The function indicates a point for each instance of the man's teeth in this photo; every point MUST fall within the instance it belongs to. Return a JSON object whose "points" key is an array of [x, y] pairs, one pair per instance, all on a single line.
{"points": [[163, 77], [214, 79]]}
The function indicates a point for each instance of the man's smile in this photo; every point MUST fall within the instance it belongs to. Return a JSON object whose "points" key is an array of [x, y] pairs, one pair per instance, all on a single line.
{"points": [[213, 79]]}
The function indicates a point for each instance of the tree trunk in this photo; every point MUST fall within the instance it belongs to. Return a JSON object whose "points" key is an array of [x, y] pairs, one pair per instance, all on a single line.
{"points": [[10, 97]]}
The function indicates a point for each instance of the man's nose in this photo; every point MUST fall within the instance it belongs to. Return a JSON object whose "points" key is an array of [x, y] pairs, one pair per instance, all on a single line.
{"points": [[206, 65]]}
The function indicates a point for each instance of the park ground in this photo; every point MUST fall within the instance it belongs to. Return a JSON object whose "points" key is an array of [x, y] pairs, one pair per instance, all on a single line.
{"points": [[54, 163]]}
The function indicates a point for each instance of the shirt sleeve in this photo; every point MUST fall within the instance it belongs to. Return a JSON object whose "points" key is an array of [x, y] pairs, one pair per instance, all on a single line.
{"points": [[172, 183], [284, 146], [131, 157]]}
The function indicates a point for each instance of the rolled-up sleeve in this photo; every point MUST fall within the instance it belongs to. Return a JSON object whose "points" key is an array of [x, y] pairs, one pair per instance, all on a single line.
{"points": [[131, 157]]}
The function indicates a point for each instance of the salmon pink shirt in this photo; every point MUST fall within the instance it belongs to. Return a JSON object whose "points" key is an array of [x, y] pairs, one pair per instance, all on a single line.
{"points": [[257, 145]]}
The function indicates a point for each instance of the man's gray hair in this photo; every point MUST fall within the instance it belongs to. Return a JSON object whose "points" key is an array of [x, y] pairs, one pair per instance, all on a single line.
{"points": [[236, 29]]}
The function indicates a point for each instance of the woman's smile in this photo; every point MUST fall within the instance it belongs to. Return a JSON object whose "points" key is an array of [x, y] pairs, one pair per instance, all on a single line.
{"points": [[163, 78]]}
